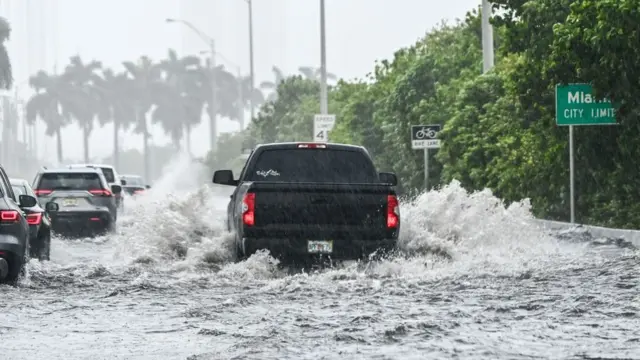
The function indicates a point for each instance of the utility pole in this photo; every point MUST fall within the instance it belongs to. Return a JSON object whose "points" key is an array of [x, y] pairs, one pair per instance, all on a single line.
{"points": [[487, 37], [251, 70], [240, 101], [213, 131], [324, 106], [212, 65]]}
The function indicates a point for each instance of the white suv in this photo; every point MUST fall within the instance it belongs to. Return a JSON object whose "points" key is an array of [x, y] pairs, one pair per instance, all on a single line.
{"points": [[112, 177]]}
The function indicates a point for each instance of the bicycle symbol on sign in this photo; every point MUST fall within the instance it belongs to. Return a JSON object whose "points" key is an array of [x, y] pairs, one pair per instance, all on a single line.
{"points": [[426, 133]]}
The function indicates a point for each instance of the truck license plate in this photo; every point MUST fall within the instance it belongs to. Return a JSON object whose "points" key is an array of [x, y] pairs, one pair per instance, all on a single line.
{"points": [[320, 247]]}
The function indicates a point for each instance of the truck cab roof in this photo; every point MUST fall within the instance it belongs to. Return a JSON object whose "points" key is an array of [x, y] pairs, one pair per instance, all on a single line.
{"points": [[308, 144]]}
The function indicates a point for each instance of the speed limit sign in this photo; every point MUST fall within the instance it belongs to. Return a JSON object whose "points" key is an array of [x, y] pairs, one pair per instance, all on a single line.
{"points": [[322, 124]]}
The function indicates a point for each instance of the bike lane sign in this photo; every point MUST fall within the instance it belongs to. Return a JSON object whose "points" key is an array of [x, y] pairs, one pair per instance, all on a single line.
{"points": [[425, 136]]}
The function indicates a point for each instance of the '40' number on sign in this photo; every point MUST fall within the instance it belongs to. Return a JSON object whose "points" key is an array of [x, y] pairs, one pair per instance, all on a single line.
{"points": [[321, 135]]}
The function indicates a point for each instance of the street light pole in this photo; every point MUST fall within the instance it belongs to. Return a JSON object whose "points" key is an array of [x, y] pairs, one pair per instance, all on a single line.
{"points": [[251, 69], [324, 106], [213, 110], [487, 37], [240, 100], [241, 96]]}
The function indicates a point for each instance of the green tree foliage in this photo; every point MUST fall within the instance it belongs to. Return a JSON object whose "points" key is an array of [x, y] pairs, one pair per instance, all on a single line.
{"points": [[290, 120], [498, 128]]}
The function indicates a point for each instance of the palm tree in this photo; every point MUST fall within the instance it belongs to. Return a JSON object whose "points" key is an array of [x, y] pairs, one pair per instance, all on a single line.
{"points": [[256, 95], [84, 98], [116, 105], [148, 90], [273, 86], [229, 94], [47, 104], [226, 92], [179, 116], [6, 72], [312, 73]]}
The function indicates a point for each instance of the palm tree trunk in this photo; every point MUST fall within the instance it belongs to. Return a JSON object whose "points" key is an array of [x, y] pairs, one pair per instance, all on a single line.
{"points": [[145, 150], [145, 145], [5, 136], [85, 144], [212, 128], [59, 145], [178, 145], [187, 137], [116, 144]]}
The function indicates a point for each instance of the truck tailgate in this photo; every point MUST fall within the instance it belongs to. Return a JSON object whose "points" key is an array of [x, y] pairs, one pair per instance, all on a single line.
{"points": [[336, 210]]}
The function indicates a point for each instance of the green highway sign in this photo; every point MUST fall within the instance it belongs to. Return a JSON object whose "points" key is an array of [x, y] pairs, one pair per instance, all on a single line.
{"points": [[575, 105]]}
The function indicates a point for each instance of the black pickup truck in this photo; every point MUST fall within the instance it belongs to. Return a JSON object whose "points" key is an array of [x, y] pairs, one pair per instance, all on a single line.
{"points": [[302, 201]]}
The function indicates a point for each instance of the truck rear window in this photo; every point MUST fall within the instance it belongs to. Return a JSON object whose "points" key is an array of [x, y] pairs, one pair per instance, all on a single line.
{"points": [[70, 181], [313, 165]]}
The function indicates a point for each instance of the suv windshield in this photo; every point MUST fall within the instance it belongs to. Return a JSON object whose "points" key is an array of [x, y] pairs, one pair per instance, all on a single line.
{"points": [[70, 181], [313, 165], [108, 175]]}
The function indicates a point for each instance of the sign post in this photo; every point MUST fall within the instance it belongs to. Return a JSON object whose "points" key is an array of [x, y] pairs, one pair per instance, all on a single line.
{"points": [[576, 106], [425, 137], [322, 124]]}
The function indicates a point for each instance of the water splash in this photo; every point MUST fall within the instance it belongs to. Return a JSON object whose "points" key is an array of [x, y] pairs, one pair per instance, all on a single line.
{"points": [[178, 175], [443, 232], [468, 226]]}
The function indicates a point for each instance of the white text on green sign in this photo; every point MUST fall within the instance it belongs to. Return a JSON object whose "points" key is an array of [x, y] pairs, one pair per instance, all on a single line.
{"points": [[575, 105]]}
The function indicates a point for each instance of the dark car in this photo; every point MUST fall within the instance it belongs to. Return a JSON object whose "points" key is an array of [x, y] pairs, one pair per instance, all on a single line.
{"points": [[306, 201], [87, 205], [134, 184], [14, 230], [38, 220]]}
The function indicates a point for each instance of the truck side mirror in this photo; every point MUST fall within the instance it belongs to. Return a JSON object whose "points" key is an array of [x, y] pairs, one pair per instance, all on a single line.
{"points": [[224, 177]]}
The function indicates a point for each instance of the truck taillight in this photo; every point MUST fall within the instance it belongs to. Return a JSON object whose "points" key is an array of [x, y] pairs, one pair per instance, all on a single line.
{"points": [[393, 212], [248, 209]]}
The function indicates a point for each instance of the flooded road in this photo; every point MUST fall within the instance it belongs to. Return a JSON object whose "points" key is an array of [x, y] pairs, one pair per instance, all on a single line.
{"points": [[165, 287]]}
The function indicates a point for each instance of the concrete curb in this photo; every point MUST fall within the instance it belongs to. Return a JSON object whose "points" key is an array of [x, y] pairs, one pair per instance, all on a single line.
{"points": [[632, 236]]}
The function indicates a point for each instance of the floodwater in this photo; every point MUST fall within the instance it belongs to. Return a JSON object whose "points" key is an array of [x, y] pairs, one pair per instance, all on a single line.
{"points": [[166, 287]]}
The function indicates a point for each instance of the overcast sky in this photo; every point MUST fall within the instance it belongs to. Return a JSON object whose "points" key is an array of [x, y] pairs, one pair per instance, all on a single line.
{"points": [[286, 34]]}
